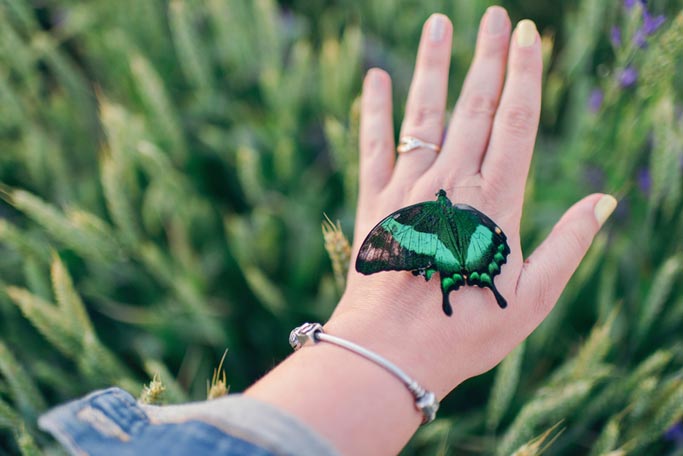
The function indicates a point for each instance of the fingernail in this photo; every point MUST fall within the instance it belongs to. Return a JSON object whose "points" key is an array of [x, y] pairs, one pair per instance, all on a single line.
{"points": [[437, 28], [604, 208], [495, 20], [526, 33], [374, 78]]}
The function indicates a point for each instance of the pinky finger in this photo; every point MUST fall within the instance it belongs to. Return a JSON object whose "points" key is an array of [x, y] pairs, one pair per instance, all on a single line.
{"points": [[549, 268], [376, 135]]}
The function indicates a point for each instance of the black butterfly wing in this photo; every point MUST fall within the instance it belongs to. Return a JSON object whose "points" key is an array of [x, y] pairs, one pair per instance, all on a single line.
{"points": [[484, 247], [413, 238]]}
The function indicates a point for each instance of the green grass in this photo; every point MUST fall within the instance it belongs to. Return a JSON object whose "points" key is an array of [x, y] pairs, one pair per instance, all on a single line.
{"points": [[165, 168]]}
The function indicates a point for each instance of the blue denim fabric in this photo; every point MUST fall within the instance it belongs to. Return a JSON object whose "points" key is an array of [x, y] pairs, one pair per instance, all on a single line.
{"points": [[112, 422]]}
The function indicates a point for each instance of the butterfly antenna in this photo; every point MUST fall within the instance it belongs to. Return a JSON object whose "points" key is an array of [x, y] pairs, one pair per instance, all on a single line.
{"points": [[499, 297], [451, 190]]}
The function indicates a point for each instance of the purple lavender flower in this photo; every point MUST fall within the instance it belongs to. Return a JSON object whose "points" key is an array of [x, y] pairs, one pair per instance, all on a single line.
{"points": [[652, 23], [629, 4], [675, 434], [595, 100], [615, 36], [628, 77], [644, 180]]}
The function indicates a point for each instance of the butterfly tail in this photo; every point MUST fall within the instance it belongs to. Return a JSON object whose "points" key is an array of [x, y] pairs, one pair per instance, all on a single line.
{"points": [[447, 309], [502, 303]]}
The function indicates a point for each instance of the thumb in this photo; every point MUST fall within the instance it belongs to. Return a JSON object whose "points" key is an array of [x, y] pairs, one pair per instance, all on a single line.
{"points": [[547, 271]]}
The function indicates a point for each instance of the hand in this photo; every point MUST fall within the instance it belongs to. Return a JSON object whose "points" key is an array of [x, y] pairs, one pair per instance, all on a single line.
{"points": [[484, 162], [355, 404]]}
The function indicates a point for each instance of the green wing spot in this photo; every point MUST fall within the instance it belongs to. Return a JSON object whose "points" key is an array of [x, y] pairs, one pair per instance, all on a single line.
{"points": [[494, 269], [459, 242]]}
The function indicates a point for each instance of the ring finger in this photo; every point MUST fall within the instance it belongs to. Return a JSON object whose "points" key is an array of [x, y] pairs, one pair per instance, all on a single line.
{"points": [[426, 105]]}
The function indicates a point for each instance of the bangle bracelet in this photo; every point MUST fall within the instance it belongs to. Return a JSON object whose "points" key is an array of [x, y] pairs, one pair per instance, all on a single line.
{"points": [[312, 333]]}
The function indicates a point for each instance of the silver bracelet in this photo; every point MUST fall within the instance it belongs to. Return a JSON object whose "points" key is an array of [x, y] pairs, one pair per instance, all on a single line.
{"points": [[312, 333]]}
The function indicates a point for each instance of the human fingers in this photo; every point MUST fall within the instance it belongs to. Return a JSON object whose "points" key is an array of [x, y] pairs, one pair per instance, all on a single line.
{"points": [[470, 126], [376, 136], [426, 105], [506, 164], [547, 271]]}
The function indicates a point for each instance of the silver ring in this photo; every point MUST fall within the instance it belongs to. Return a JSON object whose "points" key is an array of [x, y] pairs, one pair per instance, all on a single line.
{"points": [[408, 143]]}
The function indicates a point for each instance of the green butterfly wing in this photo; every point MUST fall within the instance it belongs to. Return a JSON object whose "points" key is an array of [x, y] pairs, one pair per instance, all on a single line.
{"points": [[459, 242]]}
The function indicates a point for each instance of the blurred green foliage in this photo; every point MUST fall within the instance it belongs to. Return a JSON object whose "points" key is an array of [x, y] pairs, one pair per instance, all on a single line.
{"points": [[165, 166]]}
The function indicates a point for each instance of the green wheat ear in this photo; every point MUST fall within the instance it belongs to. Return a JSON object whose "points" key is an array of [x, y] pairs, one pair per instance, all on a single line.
{"points": [[539, 444], [542, 408], [608, 438], [27, 445], [218, 386], [339, 250], [506, 380], [153, 394], [174, 393]]}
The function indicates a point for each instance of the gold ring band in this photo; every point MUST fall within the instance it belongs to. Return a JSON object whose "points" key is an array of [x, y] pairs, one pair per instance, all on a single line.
{"points": [[409, 143]]}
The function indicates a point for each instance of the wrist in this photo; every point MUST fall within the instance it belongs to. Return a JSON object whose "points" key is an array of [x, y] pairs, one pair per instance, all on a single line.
{"points": [[313, 333], [409, 340], [354, 403]]}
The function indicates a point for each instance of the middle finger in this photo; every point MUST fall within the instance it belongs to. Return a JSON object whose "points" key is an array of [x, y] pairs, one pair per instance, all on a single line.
{"points": [[468, 133]]}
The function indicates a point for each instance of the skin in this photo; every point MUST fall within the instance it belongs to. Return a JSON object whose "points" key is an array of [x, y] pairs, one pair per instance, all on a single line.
{"points": [[484, 162]]}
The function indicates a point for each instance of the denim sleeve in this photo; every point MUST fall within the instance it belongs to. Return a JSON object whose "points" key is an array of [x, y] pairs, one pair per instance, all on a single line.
{"points": [[111, 421]]}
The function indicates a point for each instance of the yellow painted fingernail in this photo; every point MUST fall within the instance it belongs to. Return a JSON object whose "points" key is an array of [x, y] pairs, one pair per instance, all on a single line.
{"points": [[526, 33], [604, 208]]}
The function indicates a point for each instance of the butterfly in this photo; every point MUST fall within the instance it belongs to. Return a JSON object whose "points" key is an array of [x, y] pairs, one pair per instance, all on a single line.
{"points": [[456, 240]]}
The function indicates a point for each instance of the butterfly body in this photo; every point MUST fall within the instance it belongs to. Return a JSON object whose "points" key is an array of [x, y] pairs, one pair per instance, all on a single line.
{"points": [[456, 240]]}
